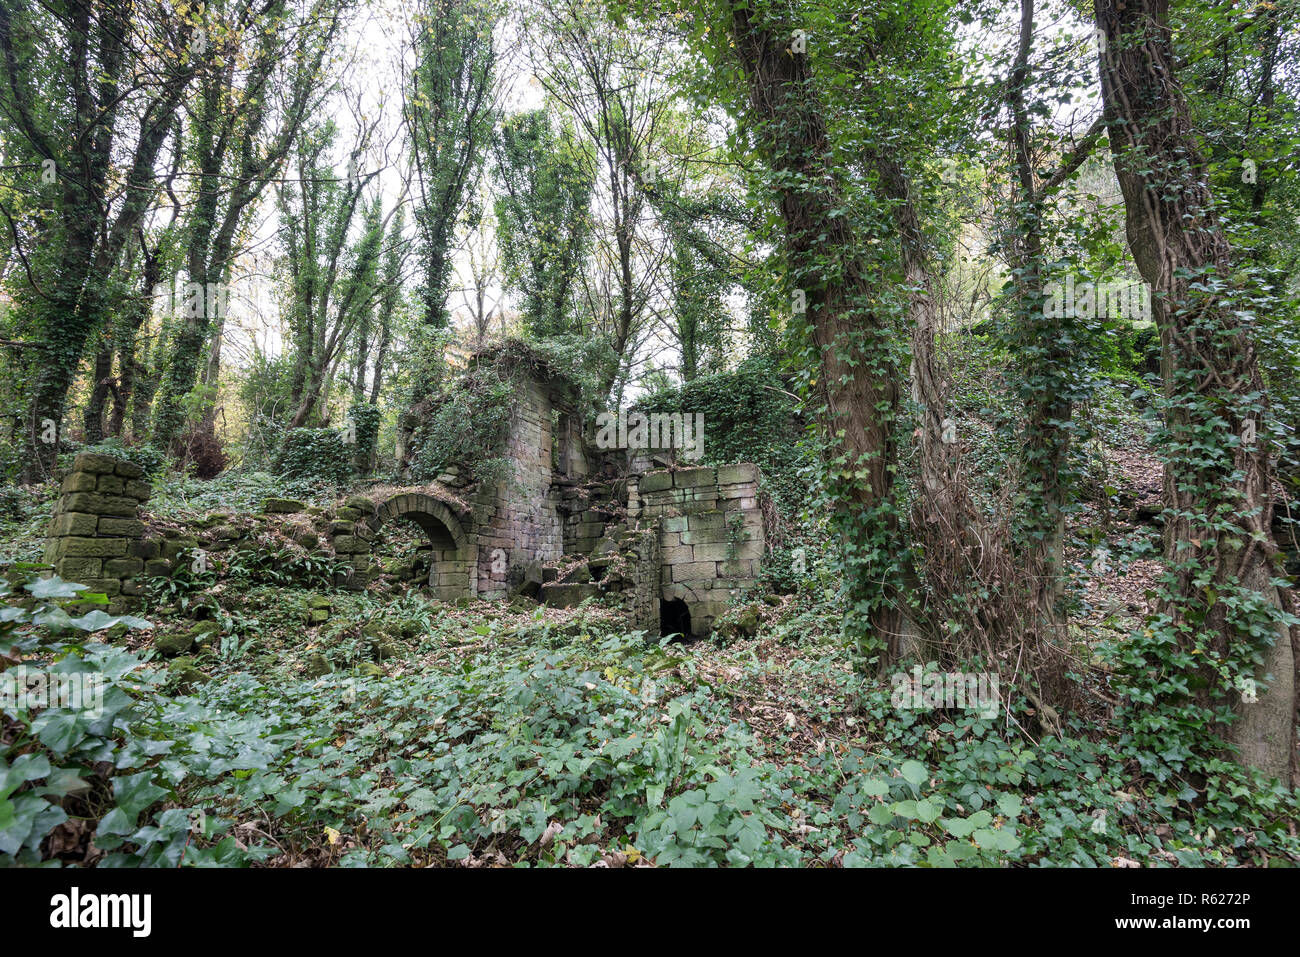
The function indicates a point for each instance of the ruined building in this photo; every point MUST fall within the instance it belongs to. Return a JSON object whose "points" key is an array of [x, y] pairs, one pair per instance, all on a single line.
{"points": [[566, 520]]}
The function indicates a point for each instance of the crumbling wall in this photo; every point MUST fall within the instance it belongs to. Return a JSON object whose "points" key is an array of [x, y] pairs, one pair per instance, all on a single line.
{"points": [[712, 540], [517, 520], [94, 534]]}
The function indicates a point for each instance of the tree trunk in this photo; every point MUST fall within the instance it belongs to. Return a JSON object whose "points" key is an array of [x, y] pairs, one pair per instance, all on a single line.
{"points": [[858, 373], [1218, 536], [101, 380]]}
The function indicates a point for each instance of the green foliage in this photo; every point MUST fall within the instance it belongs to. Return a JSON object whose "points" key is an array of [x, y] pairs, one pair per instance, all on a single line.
{"points": [[149, 458], [748, 417], [543, 222], [316, 455], [89, 754], [365, 422], [450, 116], [466, 425]]}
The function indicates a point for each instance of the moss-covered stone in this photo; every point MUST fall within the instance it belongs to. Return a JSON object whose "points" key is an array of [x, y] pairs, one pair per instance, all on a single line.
{"points": [[171, 644], [282, 506], [187, 674], [75, 547], [125, 527], [655, 482], [94, 462], [125, 567], [79, 482], [173, 547], [349, 545], [100, 504], [361, 504], [146, 548], [178, 643], [318, 665], [137, 490]]}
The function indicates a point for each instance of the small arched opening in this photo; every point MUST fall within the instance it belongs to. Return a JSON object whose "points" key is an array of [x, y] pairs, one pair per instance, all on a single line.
{"points": [[444, 561], [674, 618]]}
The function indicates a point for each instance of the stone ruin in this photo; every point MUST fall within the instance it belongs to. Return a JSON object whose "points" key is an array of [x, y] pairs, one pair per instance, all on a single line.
{"points": [[668, 545]]}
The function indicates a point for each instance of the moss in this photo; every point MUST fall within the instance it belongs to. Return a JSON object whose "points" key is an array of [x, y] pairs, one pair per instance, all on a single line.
{"points": [[171, 644]]}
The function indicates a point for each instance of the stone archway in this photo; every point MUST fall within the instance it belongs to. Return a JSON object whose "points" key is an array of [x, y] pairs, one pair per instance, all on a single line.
{"points": [[451, 575]]}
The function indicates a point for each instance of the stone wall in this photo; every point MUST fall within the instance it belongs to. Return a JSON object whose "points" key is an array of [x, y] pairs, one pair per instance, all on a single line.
{"points": [[517, 520], [94, 536], [589, 510], [712, 540]]}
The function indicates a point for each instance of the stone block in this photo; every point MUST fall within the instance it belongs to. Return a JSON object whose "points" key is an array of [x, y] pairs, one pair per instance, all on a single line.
{"points": [[707, 536], [124, 567], [77, 569], [694, 571], [282, 506], [79, 482], [678, 554], [173, 547], [691, 478], [736, 569], [100, 504], [128, 470], [361, 504], [655, 482], [93, 547], [733, 474], [138, 490], [103, 586], [111, 484], [125, 527], [349, 544], [146, 549], [74, 523], [717, 552], [567, 596], [94, 462]]}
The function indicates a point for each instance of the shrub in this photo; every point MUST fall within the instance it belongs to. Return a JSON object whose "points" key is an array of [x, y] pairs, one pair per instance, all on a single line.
{"points": [[149, 458], [320, 455]]}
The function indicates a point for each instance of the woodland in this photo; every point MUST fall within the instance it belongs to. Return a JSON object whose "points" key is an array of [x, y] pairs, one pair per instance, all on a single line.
{"points": [[998, 298]]}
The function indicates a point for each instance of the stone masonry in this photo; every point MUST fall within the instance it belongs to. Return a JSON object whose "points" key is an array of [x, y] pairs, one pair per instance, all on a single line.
{"points": [[567, 523], [713, 540], [94, 536]]}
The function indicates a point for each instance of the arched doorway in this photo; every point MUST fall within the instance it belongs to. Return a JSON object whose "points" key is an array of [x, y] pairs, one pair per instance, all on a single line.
{"points": [[674, 618], [450, 561]]}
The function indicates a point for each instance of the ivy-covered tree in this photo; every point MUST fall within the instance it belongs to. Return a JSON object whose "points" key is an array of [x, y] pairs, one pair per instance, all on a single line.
{"points": [[543, 216]]}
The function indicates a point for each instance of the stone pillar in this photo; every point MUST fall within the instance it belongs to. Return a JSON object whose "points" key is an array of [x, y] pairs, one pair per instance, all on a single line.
{"points": [[94, 536]]}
